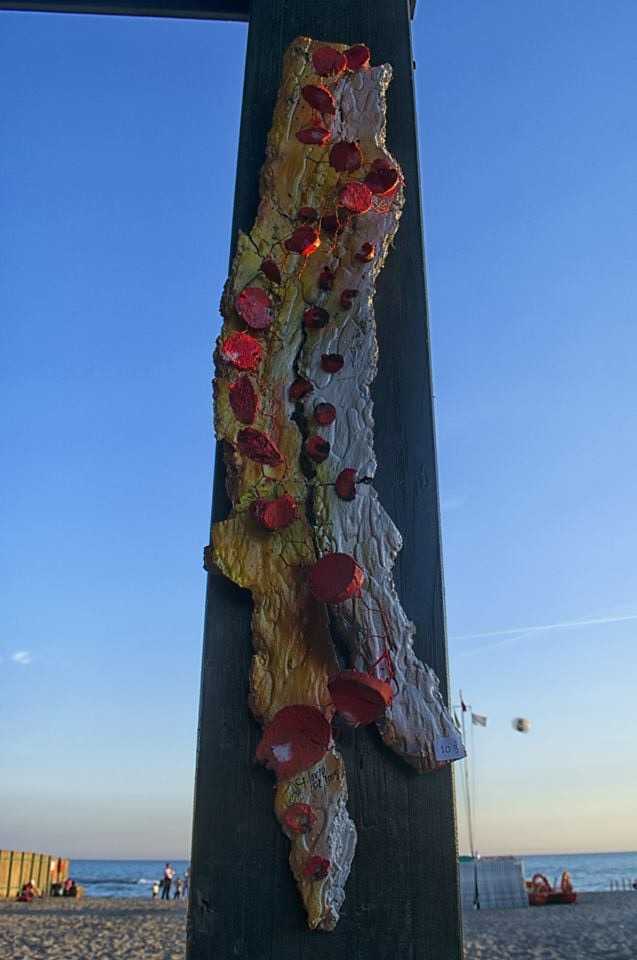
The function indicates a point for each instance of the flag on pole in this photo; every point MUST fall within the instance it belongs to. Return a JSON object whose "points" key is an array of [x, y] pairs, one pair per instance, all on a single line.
{"points": [[463, 705], [478, 720]]}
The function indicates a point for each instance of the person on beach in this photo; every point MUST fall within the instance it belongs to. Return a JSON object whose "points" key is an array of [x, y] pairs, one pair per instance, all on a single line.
{"points": [[28, 892], [155, 889], [186, 881], [169, 873], [178, 889]]}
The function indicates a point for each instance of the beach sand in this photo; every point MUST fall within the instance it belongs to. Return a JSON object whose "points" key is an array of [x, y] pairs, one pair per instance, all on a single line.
{"points": [[600, 926], [93, 929]]}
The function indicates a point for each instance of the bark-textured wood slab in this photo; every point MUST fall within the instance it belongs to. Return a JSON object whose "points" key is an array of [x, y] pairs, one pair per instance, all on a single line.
{"points": [[307, 314]]}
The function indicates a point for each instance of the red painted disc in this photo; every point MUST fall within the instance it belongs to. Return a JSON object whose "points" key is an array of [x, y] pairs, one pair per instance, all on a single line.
{"points": [[270, 269], [317, 449], [357, 56], [356, 196], [358, 697], [244, 400], [328, 61], [299, 818], [308, 214], [257, 446], [315, 318], [275, 514], [332, 362], [346, 484], [336, 577], [296, 738], [316, 868], [324, 414], [345, 157], [347, 297], [304, 241], [366, 253], [382, 179], [255, 308], [242, 351], [319, 98], [314, 136], [300, 388]]}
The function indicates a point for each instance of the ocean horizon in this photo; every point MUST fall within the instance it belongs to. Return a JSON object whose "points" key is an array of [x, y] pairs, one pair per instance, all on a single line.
{"points": [[134, 878]]}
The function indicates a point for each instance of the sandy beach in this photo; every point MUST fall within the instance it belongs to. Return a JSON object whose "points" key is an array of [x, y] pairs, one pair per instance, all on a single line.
{"points": [[600, 926], [93, 929]]}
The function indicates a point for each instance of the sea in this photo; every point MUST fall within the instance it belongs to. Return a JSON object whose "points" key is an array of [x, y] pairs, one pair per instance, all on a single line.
{"points": [[134, 878]]}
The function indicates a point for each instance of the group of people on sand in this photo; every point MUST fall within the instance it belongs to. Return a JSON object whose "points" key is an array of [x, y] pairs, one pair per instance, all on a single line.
{"points": [[170, 881], [29, 890], [66, 889]]}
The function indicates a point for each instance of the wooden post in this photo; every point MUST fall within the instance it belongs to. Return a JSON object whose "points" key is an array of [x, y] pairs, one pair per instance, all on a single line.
{"points": [[402, 896]]}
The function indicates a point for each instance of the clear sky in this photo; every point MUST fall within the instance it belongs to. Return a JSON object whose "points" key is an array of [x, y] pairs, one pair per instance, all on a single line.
{"points": [[116, 182]]}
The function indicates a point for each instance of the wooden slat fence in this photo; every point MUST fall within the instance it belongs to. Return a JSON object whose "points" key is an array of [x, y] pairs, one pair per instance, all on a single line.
{"points": [[18, 867]]}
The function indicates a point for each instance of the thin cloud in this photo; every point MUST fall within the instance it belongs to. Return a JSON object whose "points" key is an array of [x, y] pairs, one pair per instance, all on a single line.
{"points": [[22, 656], [539, 628]]}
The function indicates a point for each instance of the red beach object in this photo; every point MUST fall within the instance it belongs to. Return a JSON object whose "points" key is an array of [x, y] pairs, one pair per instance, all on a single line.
{"points": [[328, 61], [296, 738], [382, 179], [332, 362], [275, 514], [315, 318], [271, 271], [325, 279], [346, 298], [324, 414], [345, 157], [300, 388], [541, 893], [299, 818], [317, 448], [316, 868], [357, 56], [243, 399], [314, 136], [304, 241], [242, 351], [366, 253], [336, 577], [319, 98], [308, 213], [257, 446], [255, 308], [358, 697], [356, 196], [346, 484]]}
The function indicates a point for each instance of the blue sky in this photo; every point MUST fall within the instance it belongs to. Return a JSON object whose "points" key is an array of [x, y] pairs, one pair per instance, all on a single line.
{"points": [[116, 192]]}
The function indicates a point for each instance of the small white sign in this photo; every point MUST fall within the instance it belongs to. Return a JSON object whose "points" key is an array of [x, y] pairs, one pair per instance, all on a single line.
{"points": [[448, 748]]}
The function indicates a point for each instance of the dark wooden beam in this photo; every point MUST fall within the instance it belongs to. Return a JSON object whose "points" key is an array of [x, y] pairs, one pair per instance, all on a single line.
{"points": [[402, 896], [188, 9]]}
